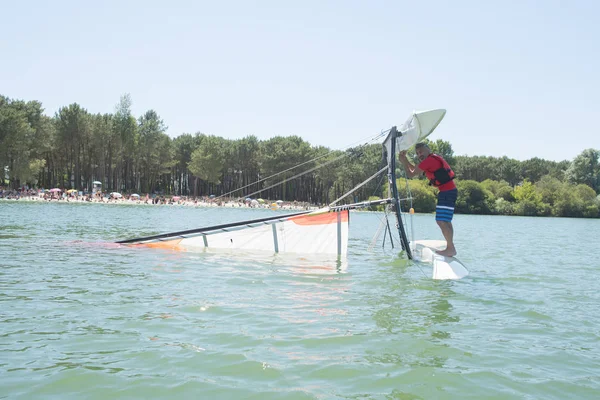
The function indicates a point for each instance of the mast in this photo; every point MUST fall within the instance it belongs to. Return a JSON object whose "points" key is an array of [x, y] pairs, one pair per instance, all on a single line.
{"points": [[390, 145]]}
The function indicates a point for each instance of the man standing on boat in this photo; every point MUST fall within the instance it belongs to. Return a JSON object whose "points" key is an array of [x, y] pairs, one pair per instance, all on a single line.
{"points": [[441, 176]]}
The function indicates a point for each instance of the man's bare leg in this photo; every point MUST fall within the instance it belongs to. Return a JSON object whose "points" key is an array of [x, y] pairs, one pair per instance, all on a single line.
{"points": [[448, 232]]}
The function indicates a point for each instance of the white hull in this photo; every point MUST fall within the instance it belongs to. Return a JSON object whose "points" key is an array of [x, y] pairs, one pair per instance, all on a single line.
{"points": [[424, 251]]}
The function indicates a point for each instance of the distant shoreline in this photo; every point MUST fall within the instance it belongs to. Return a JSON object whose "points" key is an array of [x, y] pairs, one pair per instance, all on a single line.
{"points": [[291, 206]]}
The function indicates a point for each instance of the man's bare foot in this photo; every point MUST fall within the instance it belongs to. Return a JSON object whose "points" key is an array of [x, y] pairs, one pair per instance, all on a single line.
{"points": [[447, 252]]}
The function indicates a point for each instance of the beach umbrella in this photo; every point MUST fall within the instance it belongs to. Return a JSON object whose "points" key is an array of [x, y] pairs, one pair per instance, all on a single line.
{"points": [[71, 190], [135, 195], [254, 203], [55, 190], [116, 194], [248, 199], [261, 201], [175, 198], [279, 201], [97, 183]]}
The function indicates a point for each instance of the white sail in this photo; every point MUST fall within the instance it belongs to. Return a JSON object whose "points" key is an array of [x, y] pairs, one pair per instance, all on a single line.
{"points": [[418, 126], [319, 232]]}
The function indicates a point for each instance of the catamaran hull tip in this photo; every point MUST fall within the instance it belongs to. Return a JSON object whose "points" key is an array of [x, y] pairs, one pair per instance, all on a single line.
{"points": [[444, 268]]}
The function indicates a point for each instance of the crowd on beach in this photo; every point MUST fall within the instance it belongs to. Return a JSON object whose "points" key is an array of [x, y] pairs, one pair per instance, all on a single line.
{"points": [[68, 196]]}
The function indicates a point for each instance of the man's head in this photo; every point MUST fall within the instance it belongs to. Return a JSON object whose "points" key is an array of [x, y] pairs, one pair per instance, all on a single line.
{"points": [[422, 150]]}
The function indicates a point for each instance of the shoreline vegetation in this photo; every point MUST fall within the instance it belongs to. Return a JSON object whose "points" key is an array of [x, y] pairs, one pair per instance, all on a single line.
{"points": [[75, 148]]}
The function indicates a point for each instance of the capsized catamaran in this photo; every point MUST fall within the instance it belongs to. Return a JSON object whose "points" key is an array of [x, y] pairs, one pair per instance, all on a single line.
{"points": [[325, 231]]}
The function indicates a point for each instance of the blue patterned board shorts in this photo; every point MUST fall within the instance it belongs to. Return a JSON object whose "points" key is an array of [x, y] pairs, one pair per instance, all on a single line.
{"points": [[444, 211]]}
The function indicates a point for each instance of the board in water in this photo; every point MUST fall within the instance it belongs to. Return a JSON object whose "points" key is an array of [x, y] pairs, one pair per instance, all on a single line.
{"points": [[443, 267]]}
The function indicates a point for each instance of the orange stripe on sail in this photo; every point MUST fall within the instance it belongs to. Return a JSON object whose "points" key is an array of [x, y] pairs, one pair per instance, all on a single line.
{"points": [[320, 219], [169, 245]]}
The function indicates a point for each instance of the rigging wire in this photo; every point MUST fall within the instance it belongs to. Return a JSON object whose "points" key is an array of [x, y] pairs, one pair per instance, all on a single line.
{"points": [[409, 195], [383, 223], [409, 198], [378, 185], [371, 139], [297, 175], [358, 186]]}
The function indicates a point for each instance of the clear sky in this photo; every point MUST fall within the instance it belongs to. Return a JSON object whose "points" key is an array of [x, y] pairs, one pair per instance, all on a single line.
{"points": [[518, 78]]}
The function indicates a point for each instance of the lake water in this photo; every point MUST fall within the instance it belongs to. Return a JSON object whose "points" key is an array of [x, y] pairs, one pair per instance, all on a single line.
{"points": [[83, 318]]}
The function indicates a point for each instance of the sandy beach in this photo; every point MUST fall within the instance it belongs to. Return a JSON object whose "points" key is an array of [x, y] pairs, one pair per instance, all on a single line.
{"points": [[183, 201]]}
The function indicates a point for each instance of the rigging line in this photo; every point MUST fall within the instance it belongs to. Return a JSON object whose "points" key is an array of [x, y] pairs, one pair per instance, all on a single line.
{"points": [[382, 219], [359, 185], [375, 238], [304, 163], [421, 269], [278, 173], [408, 191], [409, 195], [380, 228], [378, 185], [297, 175]]}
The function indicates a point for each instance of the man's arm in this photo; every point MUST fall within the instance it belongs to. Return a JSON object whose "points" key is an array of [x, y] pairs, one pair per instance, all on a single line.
{"points": [[411, 170]]}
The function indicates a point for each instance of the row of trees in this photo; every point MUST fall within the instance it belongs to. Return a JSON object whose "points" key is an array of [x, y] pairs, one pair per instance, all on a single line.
{"points": [[74, 147]]}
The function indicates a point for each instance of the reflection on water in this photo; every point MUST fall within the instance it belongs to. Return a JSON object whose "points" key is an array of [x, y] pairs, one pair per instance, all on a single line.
{"points": [[296, 263]]}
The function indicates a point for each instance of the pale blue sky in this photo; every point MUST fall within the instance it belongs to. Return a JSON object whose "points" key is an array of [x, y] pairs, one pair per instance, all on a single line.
{"points": [[518, 78]]}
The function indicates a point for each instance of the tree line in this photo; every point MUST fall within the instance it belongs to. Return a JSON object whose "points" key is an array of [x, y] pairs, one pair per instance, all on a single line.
{"points": [[75, 147]]}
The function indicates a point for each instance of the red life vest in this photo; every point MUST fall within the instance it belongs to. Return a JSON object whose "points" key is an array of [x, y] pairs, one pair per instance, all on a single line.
{"points": [[443, 174]]}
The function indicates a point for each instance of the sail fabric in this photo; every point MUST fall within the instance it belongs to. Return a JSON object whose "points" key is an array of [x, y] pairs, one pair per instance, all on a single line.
{"points": [[418, 126], [320, 232]]}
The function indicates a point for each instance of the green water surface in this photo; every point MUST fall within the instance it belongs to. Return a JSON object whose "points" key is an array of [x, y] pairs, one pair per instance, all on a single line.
{"points": [[82, 318]]}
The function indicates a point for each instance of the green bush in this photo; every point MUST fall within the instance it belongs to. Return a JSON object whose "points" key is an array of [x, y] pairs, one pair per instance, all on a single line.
{"points": [[526, 208], [585, 193], [506, 193], [423, 195], [472, 198], [591, 211], [503, 207], [549, 188], [500, 189]]}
